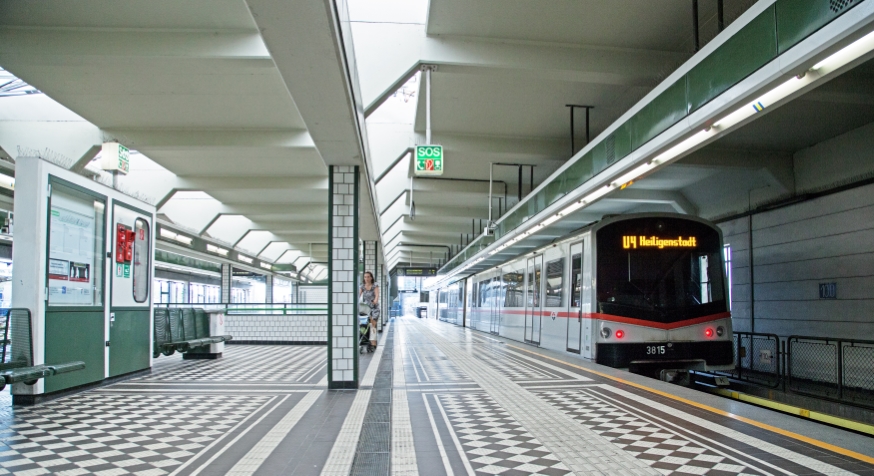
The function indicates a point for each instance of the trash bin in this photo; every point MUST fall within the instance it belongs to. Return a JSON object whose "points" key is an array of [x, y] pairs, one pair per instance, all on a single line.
{"points": [[422, 312]]}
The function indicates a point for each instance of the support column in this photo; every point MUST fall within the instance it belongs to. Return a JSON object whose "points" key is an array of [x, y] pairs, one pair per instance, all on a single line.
{"points": [[343, 277], [383, 315], [268, 289], [226, 283]]}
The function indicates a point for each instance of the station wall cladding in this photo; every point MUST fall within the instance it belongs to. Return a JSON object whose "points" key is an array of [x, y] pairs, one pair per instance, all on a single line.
{"points": [[813, 261]]}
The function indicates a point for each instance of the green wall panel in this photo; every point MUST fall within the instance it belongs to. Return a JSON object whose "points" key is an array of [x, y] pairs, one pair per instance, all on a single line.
{"points": [[798, 19], [741, 55], [70, 336], [129, 339], [661, 113], [621, 142]]}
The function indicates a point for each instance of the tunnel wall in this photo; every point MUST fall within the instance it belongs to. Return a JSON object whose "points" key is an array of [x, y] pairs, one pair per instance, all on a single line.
{"points": [[797, 248]]}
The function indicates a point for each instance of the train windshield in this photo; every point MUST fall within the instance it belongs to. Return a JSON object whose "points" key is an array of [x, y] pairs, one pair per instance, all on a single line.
{"points": [[660, 269]]}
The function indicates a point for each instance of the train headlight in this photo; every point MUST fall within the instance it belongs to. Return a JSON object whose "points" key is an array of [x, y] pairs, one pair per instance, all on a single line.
{"points": [[708, 333], [720, 331], [620, 334], [605, 332]]}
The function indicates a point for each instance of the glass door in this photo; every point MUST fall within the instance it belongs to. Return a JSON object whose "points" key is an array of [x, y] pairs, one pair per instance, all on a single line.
{"points": [[533, 301], [575, 313]]}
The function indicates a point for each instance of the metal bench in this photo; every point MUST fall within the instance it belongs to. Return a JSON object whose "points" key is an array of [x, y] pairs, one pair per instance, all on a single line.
{"points": [[20, 367], [182, 330]]}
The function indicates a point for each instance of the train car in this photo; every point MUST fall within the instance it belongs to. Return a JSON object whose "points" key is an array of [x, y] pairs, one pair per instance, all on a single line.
{"points": [[643, 292]]}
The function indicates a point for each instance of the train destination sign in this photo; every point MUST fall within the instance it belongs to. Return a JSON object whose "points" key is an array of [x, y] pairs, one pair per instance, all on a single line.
{"points": [[633, 242], [429, 160], [417, 271]]}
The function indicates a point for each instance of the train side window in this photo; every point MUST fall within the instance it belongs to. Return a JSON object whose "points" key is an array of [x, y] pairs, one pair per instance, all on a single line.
{"points": [[554, 278], [576, 279]]}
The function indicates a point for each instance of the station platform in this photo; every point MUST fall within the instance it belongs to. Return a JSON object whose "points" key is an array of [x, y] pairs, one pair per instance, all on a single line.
{"points": [[434, 399]]}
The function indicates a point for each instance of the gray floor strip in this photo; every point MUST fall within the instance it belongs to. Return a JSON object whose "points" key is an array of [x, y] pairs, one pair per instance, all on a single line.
{"points": [[259, 453]]}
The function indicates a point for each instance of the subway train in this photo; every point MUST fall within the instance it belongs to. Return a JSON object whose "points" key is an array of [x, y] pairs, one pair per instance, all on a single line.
{"points": [[644, 292]]}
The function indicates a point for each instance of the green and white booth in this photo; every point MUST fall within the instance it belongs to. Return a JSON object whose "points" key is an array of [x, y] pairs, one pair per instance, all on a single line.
{"points": [[83, 264]]}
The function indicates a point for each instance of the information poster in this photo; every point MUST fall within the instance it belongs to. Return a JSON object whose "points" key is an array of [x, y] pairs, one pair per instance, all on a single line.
{"points": [[71, 256]]}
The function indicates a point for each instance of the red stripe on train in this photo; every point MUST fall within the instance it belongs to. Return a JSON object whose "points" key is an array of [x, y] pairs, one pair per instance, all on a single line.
{"points": [[629, 320]]}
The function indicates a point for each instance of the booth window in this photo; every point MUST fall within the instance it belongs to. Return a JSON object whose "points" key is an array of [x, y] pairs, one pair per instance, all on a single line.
{"points": [[141, 260], [76, 249]]}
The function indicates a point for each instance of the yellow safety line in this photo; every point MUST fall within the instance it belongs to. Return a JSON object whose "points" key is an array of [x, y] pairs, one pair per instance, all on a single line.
{"points": [[791, 409], [780, 431]]}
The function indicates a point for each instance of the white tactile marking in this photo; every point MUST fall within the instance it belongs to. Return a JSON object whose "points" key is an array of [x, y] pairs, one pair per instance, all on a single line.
{"points": [[253, 460], [403, 449], [790, 455], [342, 455], [579, 448]]}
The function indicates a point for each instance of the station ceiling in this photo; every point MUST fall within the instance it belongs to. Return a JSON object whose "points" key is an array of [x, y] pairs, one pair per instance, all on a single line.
{"points": [[244, 104]]}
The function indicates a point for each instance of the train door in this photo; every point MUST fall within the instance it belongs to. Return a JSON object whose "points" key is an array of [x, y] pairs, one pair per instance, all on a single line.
{"points": [[495, 322], [533, 303], [575, 310]]}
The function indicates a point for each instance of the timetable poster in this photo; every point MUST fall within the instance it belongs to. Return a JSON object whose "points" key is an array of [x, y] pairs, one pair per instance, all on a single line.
{"points": [[71, 257]]}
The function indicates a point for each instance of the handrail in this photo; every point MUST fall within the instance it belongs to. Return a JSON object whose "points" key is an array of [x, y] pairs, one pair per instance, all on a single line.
{"points": [[260, 308]]}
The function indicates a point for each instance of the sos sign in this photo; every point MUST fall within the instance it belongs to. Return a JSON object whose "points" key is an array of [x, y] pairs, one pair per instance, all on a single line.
{"points": [[429, 160]]}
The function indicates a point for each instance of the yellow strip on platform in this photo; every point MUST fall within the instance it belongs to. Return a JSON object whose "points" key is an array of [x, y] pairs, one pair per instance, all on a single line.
{"points": [[793, 410], [764, 426]]}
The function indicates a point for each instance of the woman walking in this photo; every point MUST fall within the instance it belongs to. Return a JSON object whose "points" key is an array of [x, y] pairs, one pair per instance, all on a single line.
{"points": [[368, 294]]}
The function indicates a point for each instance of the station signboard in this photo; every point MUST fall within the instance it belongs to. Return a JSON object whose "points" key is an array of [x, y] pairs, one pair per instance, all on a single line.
{"points": [[115, 158], [429, 160]]}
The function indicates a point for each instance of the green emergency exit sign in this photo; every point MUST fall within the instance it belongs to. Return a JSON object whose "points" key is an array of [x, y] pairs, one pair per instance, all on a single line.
{"points": [[429, 160]]}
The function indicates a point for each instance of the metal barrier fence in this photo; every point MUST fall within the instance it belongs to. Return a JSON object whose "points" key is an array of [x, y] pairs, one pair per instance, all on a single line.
{"points": [[839, 369], [285, 309], [757, 359], [834, 369]]}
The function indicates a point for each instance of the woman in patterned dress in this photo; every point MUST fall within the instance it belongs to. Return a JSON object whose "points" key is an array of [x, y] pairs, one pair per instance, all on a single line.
{"points": [[368, 294]]}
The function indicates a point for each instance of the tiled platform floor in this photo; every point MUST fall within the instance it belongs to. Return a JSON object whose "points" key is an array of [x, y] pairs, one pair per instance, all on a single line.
{"points": [[459, 402], [485, 405]]}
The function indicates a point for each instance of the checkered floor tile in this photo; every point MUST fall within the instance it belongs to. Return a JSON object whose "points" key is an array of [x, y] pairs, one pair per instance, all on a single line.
{"points": [[106, 434], [515, 368], [660, 447], [244, 363], [433, 366], [493, 441]]}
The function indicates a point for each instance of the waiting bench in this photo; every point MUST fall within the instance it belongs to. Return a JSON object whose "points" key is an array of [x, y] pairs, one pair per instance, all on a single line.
{"points": [[182, 330], [20, 367]]}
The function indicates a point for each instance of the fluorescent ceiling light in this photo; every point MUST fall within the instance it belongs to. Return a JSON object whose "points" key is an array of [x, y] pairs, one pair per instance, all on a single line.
{"points": [[165, 233], [216, 249], [266, 266], [848, 54], [244, 258]]}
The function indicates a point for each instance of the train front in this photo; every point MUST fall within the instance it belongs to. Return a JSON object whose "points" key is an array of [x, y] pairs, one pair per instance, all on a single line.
{"points": [[661, 295]]}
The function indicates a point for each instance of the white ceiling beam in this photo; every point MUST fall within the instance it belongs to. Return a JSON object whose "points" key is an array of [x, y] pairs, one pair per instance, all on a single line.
{"points": [[208, 184], [211, 139], [306, 47], [37, 44], [381, 74]]}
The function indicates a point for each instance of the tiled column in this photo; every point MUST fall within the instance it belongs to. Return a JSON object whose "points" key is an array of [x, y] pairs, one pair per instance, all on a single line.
{"points": [[383, 291], [343, 277], [226, 283], [268, 289]]}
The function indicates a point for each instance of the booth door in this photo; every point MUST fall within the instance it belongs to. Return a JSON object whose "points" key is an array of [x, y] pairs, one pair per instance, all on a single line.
{"points": [[130, 277]]}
